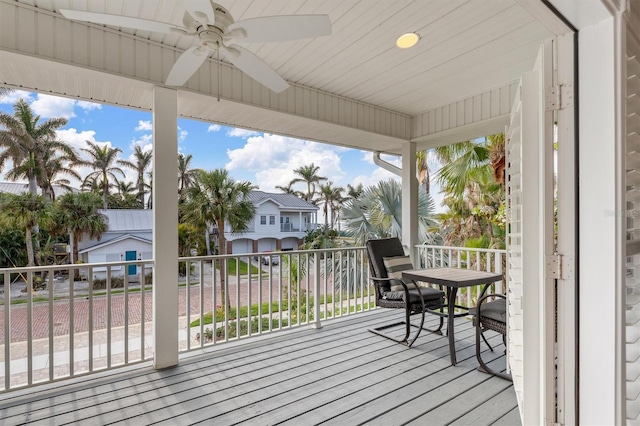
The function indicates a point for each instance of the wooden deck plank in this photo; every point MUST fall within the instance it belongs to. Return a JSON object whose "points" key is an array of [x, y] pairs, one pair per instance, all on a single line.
{"points": [[200, 369], [318, 381], [490, 412], [484, 388], [420, 397], [512, 418], [341, 373]]}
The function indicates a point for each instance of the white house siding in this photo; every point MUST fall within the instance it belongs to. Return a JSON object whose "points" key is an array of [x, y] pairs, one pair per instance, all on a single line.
{"points": [[115, 253], [108, 236], [267, 210]]}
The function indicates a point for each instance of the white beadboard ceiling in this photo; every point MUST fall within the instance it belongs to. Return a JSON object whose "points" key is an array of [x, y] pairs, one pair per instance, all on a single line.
{"points": [[468, 48]]}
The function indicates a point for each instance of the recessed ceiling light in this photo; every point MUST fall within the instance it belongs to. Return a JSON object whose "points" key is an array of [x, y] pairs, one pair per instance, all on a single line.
{"points": [[407, 40]]}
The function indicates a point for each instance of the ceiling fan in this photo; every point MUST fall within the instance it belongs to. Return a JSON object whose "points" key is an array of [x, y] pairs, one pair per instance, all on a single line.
{"points": [[215, 30]]}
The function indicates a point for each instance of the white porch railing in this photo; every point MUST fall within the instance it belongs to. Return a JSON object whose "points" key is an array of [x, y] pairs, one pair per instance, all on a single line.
{"points": [[64, 327], [271, 292], [489, 260]]}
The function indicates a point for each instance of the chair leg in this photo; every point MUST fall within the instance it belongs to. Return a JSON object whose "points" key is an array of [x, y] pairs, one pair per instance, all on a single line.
{"points": [[485, 341], [483, 367]]}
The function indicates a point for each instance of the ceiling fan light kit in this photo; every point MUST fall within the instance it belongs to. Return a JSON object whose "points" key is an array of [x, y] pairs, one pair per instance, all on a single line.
{"points": [[216, 31]]}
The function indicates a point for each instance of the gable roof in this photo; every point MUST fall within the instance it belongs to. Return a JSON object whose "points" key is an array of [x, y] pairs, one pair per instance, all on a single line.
{"points": [[115, 240], [289, 201], [128, 220]]}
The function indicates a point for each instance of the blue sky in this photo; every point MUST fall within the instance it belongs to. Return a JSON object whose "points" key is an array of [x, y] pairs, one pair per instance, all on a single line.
{"points": [[266, 160]]}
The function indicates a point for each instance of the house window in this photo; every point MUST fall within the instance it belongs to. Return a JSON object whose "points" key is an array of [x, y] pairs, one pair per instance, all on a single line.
{"points": [[272, 220], [263, 220]]}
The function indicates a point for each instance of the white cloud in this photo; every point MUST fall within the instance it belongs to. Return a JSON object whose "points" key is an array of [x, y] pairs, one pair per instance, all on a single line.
{"points": [[143, 125], [214, 128], [53, 106], [143, 141], [182, 134], [14, 96], [242, 133], [273, 158], [88, 106]]}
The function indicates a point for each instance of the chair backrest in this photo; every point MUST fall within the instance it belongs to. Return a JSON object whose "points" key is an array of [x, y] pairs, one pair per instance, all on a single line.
{"points": [[377, 249]]}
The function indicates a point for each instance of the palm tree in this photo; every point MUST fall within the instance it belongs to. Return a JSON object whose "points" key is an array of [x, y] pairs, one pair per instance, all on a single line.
{"points": [[142, 163], [309, 175], [330, 197], [354, 192], [103, 160], [25, 211], [216, 198], [186, 174], [424, 179], [26, 142], [4, 91], [378, 213], [78, 214], [289, 189], [54, 164]]}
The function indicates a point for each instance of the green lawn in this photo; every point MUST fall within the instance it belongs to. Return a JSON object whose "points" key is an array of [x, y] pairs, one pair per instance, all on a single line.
{"points": [[232, 266]]}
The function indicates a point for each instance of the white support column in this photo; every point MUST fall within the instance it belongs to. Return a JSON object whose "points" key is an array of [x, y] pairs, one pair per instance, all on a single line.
{"points": [[598, 214], [409, 198], [165, 228]]}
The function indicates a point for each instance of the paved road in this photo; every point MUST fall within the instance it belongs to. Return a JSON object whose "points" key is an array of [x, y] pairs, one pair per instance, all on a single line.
{"points": [[61, 310]]}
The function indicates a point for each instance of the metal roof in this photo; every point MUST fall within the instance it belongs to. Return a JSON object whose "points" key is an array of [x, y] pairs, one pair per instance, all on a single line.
{"points": [[285, 201], [21, 187], [128, 220]]}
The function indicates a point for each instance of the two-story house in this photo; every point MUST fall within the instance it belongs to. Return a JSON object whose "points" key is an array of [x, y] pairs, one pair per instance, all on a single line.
{"points": [[280, 223]]}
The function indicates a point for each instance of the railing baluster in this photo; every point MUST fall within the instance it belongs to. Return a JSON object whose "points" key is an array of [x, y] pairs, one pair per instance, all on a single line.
{"points": [[143, 290], [51, 324], [90, 319], [202, 311], [187, 296], [109, 317], [7, 330], [29, 328], [126, 313]]}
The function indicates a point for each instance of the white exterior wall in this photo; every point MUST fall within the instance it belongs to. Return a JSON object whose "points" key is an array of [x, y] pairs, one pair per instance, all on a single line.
{"points": [[598, 236], [116, 253], [108, 236], [267, 209]]}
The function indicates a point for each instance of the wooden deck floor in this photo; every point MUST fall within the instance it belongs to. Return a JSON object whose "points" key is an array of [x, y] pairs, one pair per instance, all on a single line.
{"points": [[341, 375]]}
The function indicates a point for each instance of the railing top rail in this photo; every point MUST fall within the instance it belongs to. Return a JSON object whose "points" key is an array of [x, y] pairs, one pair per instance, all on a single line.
{"points": [[462, 248], [269, 253], [66, 266]]}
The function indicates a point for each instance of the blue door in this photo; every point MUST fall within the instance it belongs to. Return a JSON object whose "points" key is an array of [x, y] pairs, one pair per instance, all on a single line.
{"points": [[131, 255]]}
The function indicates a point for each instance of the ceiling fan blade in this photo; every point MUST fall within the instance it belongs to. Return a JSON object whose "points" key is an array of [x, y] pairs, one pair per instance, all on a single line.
{"points": [[254, 67], [281, 28], [200, 10], [186, 65], [119, 21]]}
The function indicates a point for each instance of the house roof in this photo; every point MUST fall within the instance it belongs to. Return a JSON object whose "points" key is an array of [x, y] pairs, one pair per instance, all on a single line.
{"points": [[21, 187], [114, 241], [285, 201], [128, 220]]}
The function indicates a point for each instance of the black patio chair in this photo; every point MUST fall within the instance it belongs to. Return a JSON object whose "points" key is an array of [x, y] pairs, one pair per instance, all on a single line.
{"points": [[490, 315], [386, 263]]}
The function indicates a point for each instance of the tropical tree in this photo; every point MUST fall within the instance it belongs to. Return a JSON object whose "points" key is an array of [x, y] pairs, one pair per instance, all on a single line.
{"points": [[103, 160], [4, 91], [141, 164], [289, 189], [78, 215], [422, 165], [378, 213], [216, 198], [330, 197], [186, 174], [55, 164], [25, 211], [472, 180], [309, 175], [354, 192], [26, 142]]}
